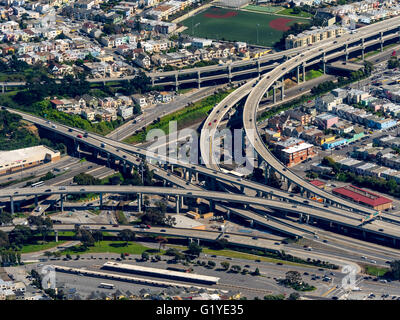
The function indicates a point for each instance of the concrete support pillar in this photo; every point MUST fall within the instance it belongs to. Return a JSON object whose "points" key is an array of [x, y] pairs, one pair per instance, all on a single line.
{"points": [[298, 74], [274, 94], [56, 235], [346, 52], [381, 41], [101, 199], [12, 205], [241, 189], [178, 204], [190, 175], [140, 198], [258, 67], [62, 202], [211, 205], [228, 214], [152, 81], [36, 201], [199, 79], [363, 53], [229, 73], [282, 91], [251, 222], [176, 82]]}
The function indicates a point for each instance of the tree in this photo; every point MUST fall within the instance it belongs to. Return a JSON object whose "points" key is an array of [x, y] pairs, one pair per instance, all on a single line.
{"points": [[236, 268], [97, 235], [161, 241], [221, 244], [395, 269], [256, 272], [4, 241], [68, 256], [225, 265], [5, 218], [47, 254], [194, 249], [211, 264], [126, 235], [145, 256], [294, 296], [293, 277]]}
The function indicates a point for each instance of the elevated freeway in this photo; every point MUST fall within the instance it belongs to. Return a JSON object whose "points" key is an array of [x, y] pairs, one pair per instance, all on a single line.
{"points": [[372, 230], [115, 150], [254, 98]]}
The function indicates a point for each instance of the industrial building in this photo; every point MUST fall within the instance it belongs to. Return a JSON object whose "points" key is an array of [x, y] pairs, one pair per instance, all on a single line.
{"points": [[15, 160], [364, 197]]}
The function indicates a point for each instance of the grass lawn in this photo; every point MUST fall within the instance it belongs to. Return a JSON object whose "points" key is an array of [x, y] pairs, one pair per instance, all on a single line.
{"points": [[223, 24], [115, 247], [267, 9], [39, 247], [242, 255], [289, 12], [375, 271], [312, 74]]}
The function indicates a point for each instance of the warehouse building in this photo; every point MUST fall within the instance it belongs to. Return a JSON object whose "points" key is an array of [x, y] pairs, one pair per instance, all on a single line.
{"points": [[15, 160], [364, 197]]}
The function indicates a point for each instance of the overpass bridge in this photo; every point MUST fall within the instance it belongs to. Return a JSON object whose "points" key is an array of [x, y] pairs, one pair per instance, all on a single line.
{"points": [[346, 222]]}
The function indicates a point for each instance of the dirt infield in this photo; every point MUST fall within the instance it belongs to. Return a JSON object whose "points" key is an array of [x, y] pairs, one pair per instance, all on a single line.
{"points": [[228, 14], [280, 24]]}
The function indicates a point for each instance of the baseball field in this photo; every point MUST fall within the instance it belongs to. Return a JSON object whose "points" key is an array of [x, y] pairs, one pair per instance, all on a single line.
{"points": [[236, 25]]}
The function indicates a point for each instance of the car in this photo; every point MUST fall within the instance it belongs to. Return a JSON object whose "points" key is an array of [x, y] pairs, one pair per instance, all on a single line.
{"points": [[82, 189], [279, 263], [255, 238], [247, 266], [85, 135], [335, 298], [257, 260], [209, 123], [69, 130], [103, 228], [213, 256], [226, 236], [124, 156], [229, 258], [306, 201], [215, 120], [277, 243], [61, 188], [47, 190], [381, 230], [115, 225], [306, 273], [324, 241], [79, 136], [163, 230], [102, 145]]}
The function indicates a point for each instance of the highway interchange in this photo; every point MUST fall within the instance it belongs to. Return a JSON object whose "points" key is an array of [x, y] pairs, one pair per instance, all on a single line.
{"points": [[260, 197]]}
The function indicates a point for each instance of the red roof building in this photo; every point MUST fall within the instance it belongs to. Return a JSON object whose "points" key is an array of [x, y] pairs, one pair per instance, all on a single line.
{"points": [[364, 197], [318, 183]]}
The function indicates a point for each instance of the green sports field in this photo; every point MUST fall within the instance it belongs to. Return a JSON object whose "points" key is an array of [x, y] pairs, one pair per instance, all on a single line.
{"points": [[234, 25]]}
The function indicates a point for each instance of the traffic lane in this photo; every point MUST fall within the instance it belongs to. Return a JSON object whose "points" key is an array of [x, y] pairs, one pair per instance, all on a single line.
{"points": [[39, 170]]}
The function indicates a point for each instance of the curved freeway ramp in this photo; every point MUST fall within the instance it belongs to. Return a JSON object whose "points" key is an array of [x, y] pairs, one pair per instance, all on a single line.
{"points": [[254, 98]]}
